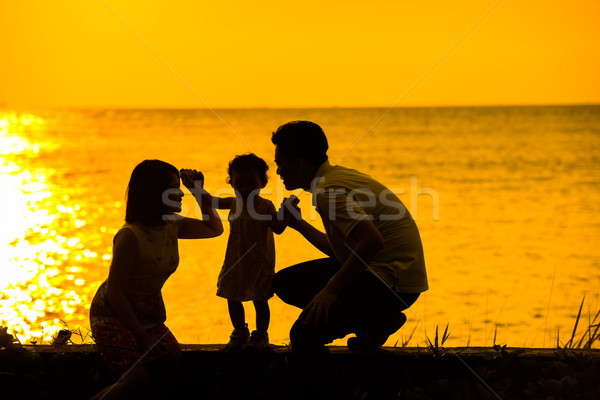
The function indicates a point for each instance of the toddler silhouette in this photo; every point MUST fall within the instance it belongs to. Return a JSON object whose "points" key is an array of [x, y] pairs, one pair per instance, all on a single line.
{"points": [[250, 257]]}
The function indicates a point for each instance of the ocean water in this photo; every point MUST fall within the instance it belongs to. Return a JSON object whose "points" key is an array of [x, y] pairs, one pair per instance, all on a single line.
{"points": [[507, 200]]}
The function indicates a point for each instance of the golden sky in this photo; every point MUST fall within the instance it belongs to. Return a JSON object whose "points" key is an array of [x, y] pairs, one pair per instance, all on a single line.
{"points": [[197, 54]]}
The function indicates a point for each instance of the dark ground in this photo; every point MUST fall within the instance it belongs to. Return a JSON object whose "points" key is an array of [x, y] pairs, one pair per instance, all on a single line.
{"points": [[77, 372]]}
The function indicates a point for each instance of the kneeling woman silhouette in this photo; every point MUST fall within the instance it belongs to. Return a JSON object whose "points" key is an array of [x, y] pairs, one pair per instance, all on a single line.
{"points": [[127, 314]]}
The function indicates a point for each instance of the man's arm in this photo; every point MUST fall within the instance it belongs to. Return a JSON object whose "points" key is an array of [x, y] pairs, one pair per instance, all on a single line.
{"points": [[369, 242], [312, 234]]}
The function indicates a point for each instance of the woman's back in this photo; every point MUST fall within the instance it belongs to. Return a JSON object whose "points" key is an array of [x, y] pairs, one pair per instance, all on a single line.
{"points": [[157, 257]]}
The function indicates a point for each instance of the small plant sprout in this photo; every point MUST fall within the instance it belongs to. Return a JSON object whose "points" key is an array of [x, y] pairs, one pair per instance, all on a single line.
{"points": [[589, 337], [63, 336], [405, 342], [437, 345]]}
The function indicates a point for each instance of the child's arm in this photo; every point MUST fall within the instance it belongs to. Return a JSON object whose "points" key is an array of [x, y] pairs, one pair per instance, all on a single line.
{"points": [[276, 225], [280, 219]]}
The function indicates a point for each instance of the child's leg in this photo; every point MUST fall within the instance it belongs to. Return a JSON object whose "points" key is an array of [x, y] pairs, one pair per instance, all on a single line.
{"points": [[236, 313], [263, 315]]}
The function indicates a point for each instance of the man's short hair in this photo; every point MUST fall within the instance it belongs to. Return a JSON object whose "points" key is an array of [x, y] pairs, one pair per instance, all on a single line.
{"points": [[302, 139]]}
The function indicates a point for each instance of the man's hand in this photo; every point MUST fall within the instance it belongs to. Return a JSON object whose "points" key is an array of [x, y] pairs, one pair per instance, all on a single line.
{"points": [[192, 179], [317, 311], [290, 212]]}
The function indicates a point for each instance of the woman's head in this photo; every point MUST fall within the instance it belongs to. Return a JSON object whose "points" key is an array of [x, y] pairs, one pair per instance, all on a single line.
{"points": [[153, 191], [247, 172]]}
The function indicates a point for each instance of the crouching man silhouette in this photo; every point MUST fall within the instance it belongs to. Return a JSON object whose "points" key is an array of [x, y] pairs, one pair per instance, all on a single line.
{"points": [[375, 269]]}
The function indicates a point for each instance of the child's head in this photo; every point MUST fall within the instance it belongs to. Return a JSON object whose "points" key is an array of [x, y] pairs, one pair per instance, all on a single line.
{"points": [[247, 172]]}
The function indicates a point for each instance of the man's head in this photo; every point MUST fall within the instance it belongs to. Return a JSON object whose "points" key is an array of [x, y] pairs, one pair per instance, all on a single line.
{"points": [[300, 148]]}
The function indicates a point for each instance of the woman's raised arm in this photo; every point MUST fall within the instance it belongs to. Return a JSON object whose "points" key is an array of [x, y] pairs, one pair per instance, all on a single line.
{"points": [[210, 225]]}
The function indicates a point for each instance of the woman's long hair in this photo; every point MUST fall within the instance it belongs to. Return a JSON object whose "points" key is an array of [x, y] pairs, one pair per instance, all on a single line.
{"points": [[148, 182]]}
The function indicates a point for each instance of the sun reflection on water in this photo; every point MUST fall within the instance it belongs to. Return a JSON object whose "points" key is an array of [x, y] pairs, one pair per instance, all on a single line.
{"points": [[39, 281], [63, 175]]}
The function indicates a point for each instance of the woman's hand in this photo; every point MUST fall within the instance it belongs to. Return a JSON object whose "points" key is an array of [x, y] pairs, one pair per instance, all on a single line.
{"points": [[210, 225], [317, 311], [192, 179]]}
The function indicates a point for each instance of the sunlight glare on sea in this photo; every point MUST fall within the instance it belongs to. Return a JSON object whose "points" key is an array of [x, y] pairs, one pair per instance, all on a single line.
{"points": [[507, 201], [36, 251]]}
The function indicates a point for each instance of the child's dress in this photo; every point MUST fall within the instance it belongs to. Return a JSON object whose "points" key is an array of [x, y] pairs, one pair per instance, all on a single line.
{"points": [[250, 257]]}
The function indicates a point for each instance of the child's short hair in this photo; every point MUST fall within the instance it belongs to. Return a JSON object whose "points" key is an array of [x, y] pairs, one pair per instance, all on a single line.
{"points": [[248, 162]]}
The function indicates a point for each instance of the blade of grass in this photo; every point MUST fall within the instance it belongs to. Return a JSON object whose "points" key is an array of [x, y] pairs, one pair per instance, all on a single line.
{"points": [[587, 333], [548, 309], [593, 337], [405, 343], [446, 334], [570, 342]]}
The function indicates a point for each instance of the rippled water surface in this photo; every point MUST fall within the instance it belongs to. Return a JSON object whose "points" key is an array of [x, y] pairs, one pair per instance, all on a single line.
{"points": [[507, 201]]}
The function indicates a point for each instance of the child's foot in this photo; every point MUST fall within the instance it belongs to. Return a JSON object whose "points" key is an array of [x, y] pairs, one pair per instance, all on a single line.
{"points": [[375, 337], [259, 340], [238, 338]]}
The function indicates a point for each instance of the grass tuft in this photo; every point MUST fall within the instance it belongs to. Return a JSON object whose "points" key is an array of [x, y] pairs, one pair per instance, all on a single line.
{"points": [[438, 344], [588, 338]]}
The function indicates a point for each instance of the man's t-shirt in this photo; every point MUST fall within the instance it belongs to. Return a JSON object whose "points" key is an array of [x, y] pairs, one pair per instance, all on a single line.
{"points": [[343, 197]]}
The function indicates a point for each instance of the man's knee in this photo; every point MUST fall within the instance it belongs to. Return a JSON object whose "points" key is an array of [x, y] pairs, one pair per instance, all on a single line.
{"points": [[276, 283], [297, 334], [302, 335], [283, 287]]}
